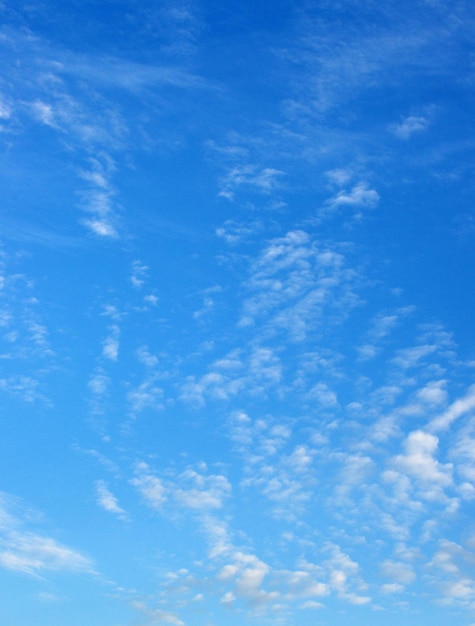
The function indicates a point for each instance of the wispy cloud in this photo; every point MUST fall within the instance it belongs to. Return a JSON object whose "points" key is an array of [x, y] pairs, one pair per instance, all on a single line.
{"points": [[107, 501], [411, 125], [294, 282], [156, 616], [189, 490], [98, 198], [110, 345], [361, 195], [23, 550], [264, 180]]}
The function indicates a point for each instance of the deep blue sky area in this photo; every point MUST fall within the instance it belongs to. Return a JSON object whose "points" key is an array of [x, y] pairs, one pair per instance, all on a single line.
{"points": [[236, 313]]}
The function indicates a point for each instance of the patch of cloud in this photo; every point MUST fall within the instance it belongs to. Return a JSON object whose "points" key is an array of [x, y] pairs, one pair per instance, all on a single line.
{"points": [[339, 176], [139, 273], [354, 475], [107, 501], [323, 395], [145, 395], [28, 552], [151, 299], [455, 564], [201, 492], [302, 584], [44, 113], [252, 374], [149, 486], [5, 110], [156, 616], [25, 335], [110, 345], [360, 195], [456, 410], [419, 462], [234, 233], [279, 469], [248, 573], [101, 227], [264, 181], [462, 452], [293, 283], [26, 388], [131, 76], [145, 357], [190, 490], [99, 383], [399, 572], [344, 576], [380, 329], [98, 198], [409, 126]]}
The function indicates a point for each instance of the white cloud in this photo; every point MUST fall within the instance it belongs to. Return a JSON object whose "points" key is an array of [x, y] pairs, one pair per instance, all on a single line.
{"points": [[29, 552], [293, 283], [311, 604], [151, 299], [339, 176], [24, 387], [156, 616], [150, 487], [413, 124], [281, 471], [303, 584], [44, 113], [139, 273], [323, 395], [234, 232], [99, 387], [99, 383], [131, 76], [455, 564], [5, 110], [102, 227], [419, 463], [146, 357], [248, 573], [191, 489], [110, 345], [254, 373], [411, 357], [398, 572], [98, 197], [145, 395], [107, 501], [264, 180], [344, 577], [462, 453], [353, 476], [380, 328], [455, 411], [434, 393], [361, 195], [392, 588], [201, 492], [217, 531]]}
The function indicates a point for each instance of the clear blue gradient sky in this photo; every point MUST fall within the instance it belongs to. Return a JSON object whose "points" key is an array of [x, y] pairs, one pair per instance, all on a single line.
{"points": [[237, 300]]}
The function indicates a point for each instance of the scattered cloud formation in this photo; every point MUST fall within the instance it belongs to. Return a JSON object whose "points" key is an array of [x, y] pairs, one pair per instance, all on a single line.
{"points": [[235, 313]]}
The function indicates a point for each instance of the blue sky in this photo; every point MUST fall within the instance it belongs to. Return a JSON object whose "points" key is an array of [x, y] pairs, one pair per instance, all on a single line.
{"points": [[237, 361]]}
